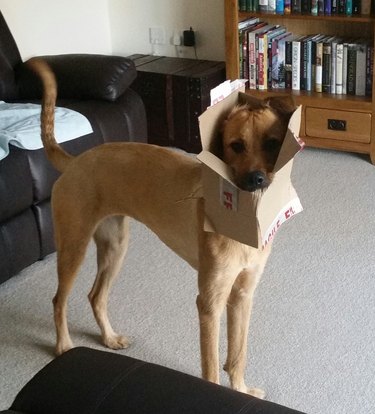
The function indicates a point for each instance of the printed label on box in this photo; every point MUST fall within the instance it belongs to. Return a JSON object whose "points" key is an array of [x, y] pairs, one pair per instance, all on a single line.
{"points": [[228, 195], [292, 208]]}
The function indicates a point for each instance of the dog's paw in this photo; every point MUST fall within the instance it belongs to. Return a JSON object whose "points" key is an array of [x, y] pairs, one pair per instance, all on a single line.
{"points": [[257, 392], [63, 346], [116, 342]]}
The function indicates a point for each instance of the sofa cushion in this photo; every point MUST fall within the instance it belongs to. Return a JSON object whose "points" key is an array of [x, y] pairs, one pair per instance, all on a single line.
{"points": [[19, 241], [81, 76], [15, 184]]}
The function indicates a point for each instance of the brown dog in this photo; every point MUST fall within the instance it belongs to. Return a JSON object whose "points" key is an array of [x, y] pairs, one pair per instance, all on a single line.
{"points": [[100, 189]]}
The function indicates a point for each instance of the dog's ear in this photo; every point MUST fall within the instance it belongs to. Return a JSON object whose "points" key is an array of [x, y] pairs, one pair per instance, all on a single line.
{"points": [[284, 105], [250, 102]]}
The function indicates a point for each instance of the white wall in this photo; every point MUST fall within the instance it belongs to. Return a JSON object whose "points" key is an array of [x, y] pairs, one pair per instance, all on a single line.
{"points": [[131, 20], [44, 27], [114, 26]]}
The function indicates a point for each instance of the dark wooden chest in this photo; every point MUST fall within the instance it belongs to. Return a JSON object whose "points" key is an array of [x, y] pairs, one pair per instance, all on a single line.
{"points": [[175, 92]]}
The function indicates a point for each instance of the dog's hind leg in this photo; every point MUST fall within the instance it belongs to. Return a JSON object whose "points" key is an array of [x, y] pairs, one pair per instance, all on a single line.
{"points": [[71, 244], [238, 318], [111, 238]]}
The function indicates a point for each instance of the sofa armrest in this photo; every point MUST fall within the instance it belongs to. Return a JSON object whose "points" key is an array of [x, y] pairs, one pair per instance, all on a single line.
{"points": [[81, 76], [84, 380]]}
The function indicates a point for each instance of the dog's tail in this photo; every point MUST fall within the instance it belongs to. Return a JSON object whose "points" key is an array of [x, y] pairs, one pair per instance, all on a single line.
{"points": [[57, 156]]}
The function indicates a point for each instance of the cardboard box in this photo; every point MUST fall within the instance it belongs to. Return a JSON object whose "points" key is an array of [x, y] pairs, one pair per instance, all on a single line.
{"points": [[251, 218]]}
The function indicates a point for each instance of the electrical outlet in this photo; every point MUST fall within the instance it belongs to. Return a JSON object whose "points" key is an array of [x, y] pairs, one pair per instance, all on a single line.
{"points": [[157, 35]]}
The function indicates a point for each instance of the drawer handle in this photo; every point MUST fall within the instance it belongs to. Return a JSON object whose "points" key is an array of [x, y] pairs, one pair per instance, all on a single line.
{"points": [[337, 124]]}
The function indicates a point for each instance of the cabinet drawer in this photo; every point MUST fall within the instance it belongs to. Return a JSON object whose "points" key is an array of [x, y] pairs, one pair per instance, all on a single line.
{"points": [[340, 125]]}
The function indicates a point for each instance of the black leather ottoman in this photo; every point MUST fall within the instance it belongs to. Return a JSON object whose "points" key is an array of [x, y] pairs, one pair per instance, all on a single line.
{"points": [[90, 381]]}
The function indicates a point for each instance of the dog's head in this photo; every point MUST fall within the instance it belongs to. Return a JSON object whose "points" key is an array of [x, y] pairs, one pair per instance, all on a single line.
{"points": [[252, 138]]}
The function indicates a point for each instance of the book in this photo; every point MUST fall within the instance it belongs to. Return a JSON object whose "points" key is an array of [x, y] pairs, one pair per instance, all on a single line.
{"points": [[253, 41], [265, 40], [369, 69], [351, 68], [289, 62], [296, 6], [314, 7], [263, 6], [244, 50], [360, 69], [365, 7], [314, 43], [273, 40], [287, 6], [328, 7], [334, 43], [280, 6], [339, 67], [279, 68], [306, 7], [319, 64], [344, 67], [271, 9], [326, 65], [356, 7], [296, 63], [321, 7], [349, 7]]}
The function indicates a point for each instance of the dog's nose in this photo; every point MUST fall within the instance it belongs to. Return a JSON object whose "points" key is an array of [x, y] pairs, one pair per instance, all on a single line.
{"points": [[255, 180]]}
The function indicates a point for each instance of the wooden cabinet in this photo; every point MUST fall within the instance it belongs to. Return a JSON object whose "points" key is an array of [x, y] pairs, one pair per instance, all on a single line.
{"points": [[175, 91], [342, 122]]}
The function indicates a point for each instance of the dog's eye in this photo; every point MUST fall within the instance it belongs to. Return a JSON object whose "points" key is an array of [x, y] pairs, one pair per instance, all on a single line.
{"points": [[238, 146], [271, 145]]}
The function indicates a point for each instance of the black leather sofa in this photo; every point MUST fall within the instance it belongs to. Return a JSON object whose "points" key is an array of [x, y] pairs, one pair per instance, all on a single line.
{"points": [[95, 85], [84, 380]]}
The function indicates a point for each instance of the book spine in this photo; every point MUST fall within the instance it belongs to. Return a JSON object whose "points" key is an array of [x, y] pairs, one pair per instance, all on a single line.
{"points": [[360, 71], [310, 66], [326, 67], [261, 56], [356, 8], [342, 6], [280, 6], [334, 7], [349, 7], [314, 7], [319, 67], [366, 7], [306, 7], [339, 67], [352, 56], [263, 6], [271, 7], [296, 7], [296, 65], [252, 61], [321, 7], [304, 63], [242, 5], [288, 64], [287, 6], [344, 68], [328, 8], [369, 69], [333, 67]]}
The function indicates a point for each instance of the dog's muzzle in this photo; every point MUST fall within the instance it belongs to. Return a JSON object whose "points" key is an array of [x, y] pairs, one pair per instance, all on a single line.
{"points": [[255, 180]]}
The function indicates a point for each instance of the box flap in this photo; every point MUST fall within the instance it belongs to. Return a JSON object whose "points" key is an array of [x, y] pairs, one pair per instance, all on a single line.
{"points": [[212, 119], [292, 143]]}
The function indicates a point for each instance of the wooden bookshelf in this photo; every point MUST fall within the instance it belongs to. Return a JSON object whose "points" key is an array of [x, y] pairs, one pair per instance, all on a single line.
{"points": [[357, 111]]}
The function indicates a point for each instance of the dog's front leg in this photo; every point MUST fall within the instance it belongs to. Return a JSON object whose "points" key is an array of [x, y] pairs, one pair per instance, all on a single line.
{"points": [[238, 317], [214, 290]]}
